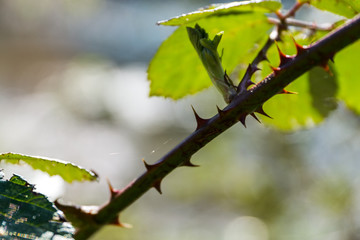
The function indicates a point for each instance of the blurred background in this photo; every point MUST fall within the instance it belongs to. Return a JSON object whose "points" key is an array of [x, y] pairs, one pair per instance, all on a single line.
{"points": [[73, 86]]}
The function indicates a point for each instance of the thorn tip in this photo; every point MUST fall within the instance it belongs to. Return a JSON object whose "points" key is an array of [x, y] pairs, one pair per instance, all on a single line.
{"points": [[221, 112], [284, 59], [113, 191], [261, 111], [254, 116], [242, 119], [116, 222], [287, 92], [299, 49], [199, 121], [276, 70], [157, 186], [188, 163]]}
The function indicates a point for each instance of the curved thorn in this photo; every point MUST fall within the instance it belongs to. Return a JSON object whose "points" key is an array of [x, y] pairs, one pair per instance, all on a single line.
{"points": [[147, 166], [242, 118], [199, 121], [157, 186], [276, 70], [116, 222], [261, 111], [284, 59], [286, 92], [254, 116], [60, 205], [251, 69], [221, 112], [246, 80], [113, 191], [150, 166], [188, 163], [249, 83], [299, 49], [326, 67]]}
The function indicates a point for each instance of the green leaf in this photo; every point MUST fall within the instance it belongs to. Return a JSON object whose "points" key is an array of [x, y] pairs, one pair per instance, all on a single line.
{"points": [[348, 73], [25, 214], [176, 71], [316, 96], [346, 8], [224, 9], [68, 171], [307, 108], [292, 111]]}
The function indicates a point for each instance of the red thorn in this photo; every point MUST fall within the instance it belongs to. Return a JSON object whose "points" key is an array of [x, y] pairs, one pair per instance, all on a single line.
{"points": [[221, 112], [284, 59], [261, 111], [299, 49], [157, 186], [276, 70], [242, 118], [117, 223], [147, 166], [188, 163], [113, 192], [326, 67], [286, 92], [200, 121], [254, 116]]}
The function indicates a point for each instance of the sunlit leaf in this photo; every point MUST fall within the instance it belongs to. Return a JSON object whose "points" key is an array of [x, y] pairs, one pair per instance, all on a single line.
{"points": [[316, 98], [68, 171], [292, 111], [25, 214], [346, 8], [176, 70], [348, 73], [224, 9]]}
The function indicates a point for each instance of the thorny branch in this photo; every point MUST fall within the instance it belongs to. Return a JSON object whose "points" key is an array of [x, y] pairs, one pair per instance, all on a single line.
{"points": [[281, 24], [245, 103]]}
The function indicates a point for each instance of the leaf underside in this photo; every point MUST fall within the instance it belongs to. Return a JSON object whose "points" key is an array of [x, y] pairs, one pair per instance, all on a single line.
{"points": [[25, 214]]}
